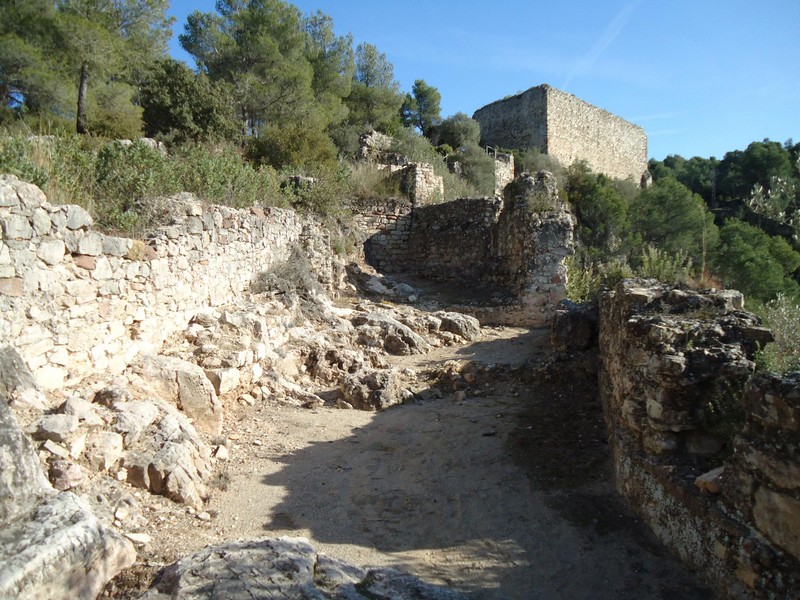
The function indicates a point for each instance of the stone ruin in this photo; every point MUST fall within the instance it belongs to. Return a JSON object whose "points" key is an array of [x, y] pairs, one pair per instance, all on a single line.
{"points": [[510, 251], [417, 179], [705, 449], [121, 356]]}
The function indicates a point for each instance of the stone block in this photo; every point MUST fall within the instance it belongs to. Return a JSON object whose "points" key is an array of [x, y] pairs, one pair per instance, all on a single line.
{"points": [[11, 286], [103, 449], [16, 227], [77, 217], [116, 246], [51, 251], [41, 222], [91, 244]]}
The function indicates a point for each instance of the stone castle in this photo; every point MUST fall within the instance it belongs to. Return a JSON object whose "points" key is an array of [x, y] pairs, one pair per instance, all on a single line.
{"points": [[566, 128]]}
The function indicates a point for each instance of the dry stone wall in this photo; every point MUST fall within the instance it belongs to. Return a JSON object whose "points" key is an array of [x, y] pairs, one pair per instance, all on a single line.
{"points": [[75, 302], [714, 471], [508, 254], [567, 128]]}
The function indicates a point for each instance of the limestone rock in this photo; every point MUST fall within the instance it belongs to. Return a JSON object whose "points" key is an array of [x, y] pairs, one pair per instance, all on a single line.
{"points": [[16, 381], [58, 428], [22, 483], [103, 449], [62, 551], [375, 390], [283, 568], [51, 545], [66, 475], [461, 325], [574, 327], [382, 329], [183, 384], [166, 456]]}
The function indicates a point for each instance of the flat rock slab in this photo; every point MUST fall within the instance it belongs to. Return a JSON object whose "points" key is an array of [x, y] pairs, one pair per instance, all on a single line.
{"points": [[283, 568]]}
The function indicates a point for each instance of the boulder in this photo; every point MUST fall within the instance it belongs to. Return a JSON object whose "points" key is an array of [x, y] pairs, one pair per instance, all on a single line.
{"points": [[183, 384], [464, 326], [381, 329], [164, 453], [283, 568]]}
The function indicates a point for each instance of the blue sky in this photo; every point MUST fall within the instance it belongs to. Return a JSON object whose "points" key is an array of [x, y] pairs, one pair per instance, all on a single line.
{"points": [[701, 76]]}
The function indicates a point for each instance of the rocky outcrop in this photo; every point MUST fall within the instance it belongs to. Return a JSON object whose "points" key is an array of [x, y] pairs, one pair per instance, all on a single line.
{"points": [[51, 544], [283, 568]]}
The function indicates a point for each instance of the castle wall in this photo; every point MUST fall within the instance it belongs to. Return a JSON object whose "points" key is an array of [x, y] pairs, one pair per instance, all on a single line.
{"points": [[507, 255], [518, 122], [577, 130], [567, 128]]}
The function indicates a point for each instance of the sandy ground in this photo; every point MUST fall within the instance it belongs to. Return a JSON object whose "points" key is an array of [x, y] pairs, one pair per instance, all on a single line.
{"points": [[507, 494]]}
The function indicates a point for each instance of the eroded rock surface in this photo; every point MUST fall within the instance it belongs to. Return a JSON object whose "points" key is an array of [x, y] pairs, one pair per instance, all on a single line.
{"points": [[51, 544], [283, 568]]}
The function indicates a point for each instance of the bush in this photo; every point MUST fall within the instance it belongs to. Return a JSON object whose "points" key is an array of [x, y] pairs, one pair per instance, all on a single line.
{"points": [[667, 268], [219, 175], [370, 182], [782, 316]]}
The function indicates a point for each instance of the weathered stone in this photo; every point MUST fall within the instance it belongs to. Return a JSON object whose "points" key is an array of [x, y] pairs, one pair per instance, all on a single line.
{"points": [[464, 326], [12, 286], [103, 449], [59, 428], [283, 568], [61, 552], [116, 246], [16, 227], [23, 483], [223, 380], [52, 546], [91, 244], [65, 475], [396, 337], [17, 384], [77, 217], [41, 222], [184, 384], [778, 517], [574, 327], [85, 262], [51, 251]]}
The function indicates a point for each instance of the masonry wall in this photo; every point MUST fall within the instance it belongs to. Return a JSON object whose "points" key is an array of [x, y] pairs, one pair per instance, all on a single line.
{"points": [[516, 122], [567, 128], [75, 302], [577, 130], [507, 255], [705, 451]]}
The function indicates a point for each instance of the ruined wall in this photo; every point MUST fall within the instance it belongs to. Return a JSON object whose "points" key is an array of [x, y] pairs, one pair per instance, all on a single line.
{"points": [[75, 302], [503, 172], [387, 224], [716, 479], [567, 128], [508, 254]]}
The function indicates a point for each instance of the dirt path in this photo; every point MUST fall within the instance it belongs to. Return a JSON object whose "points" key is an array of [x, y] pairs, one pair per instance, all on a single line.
{"points": [[505, 495]]}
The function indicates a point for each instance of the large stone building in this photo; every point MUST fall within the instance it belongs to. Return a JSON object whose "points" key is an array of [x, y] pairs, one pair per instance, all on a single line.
{"points": [[567, 128]]}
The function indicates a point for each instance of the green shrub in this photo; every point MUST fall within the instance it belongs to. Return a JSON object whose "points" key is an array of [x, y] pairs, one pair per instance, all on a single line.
{"points": [[782, 316], [219, 175], [667, 268], [368, 181]]}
